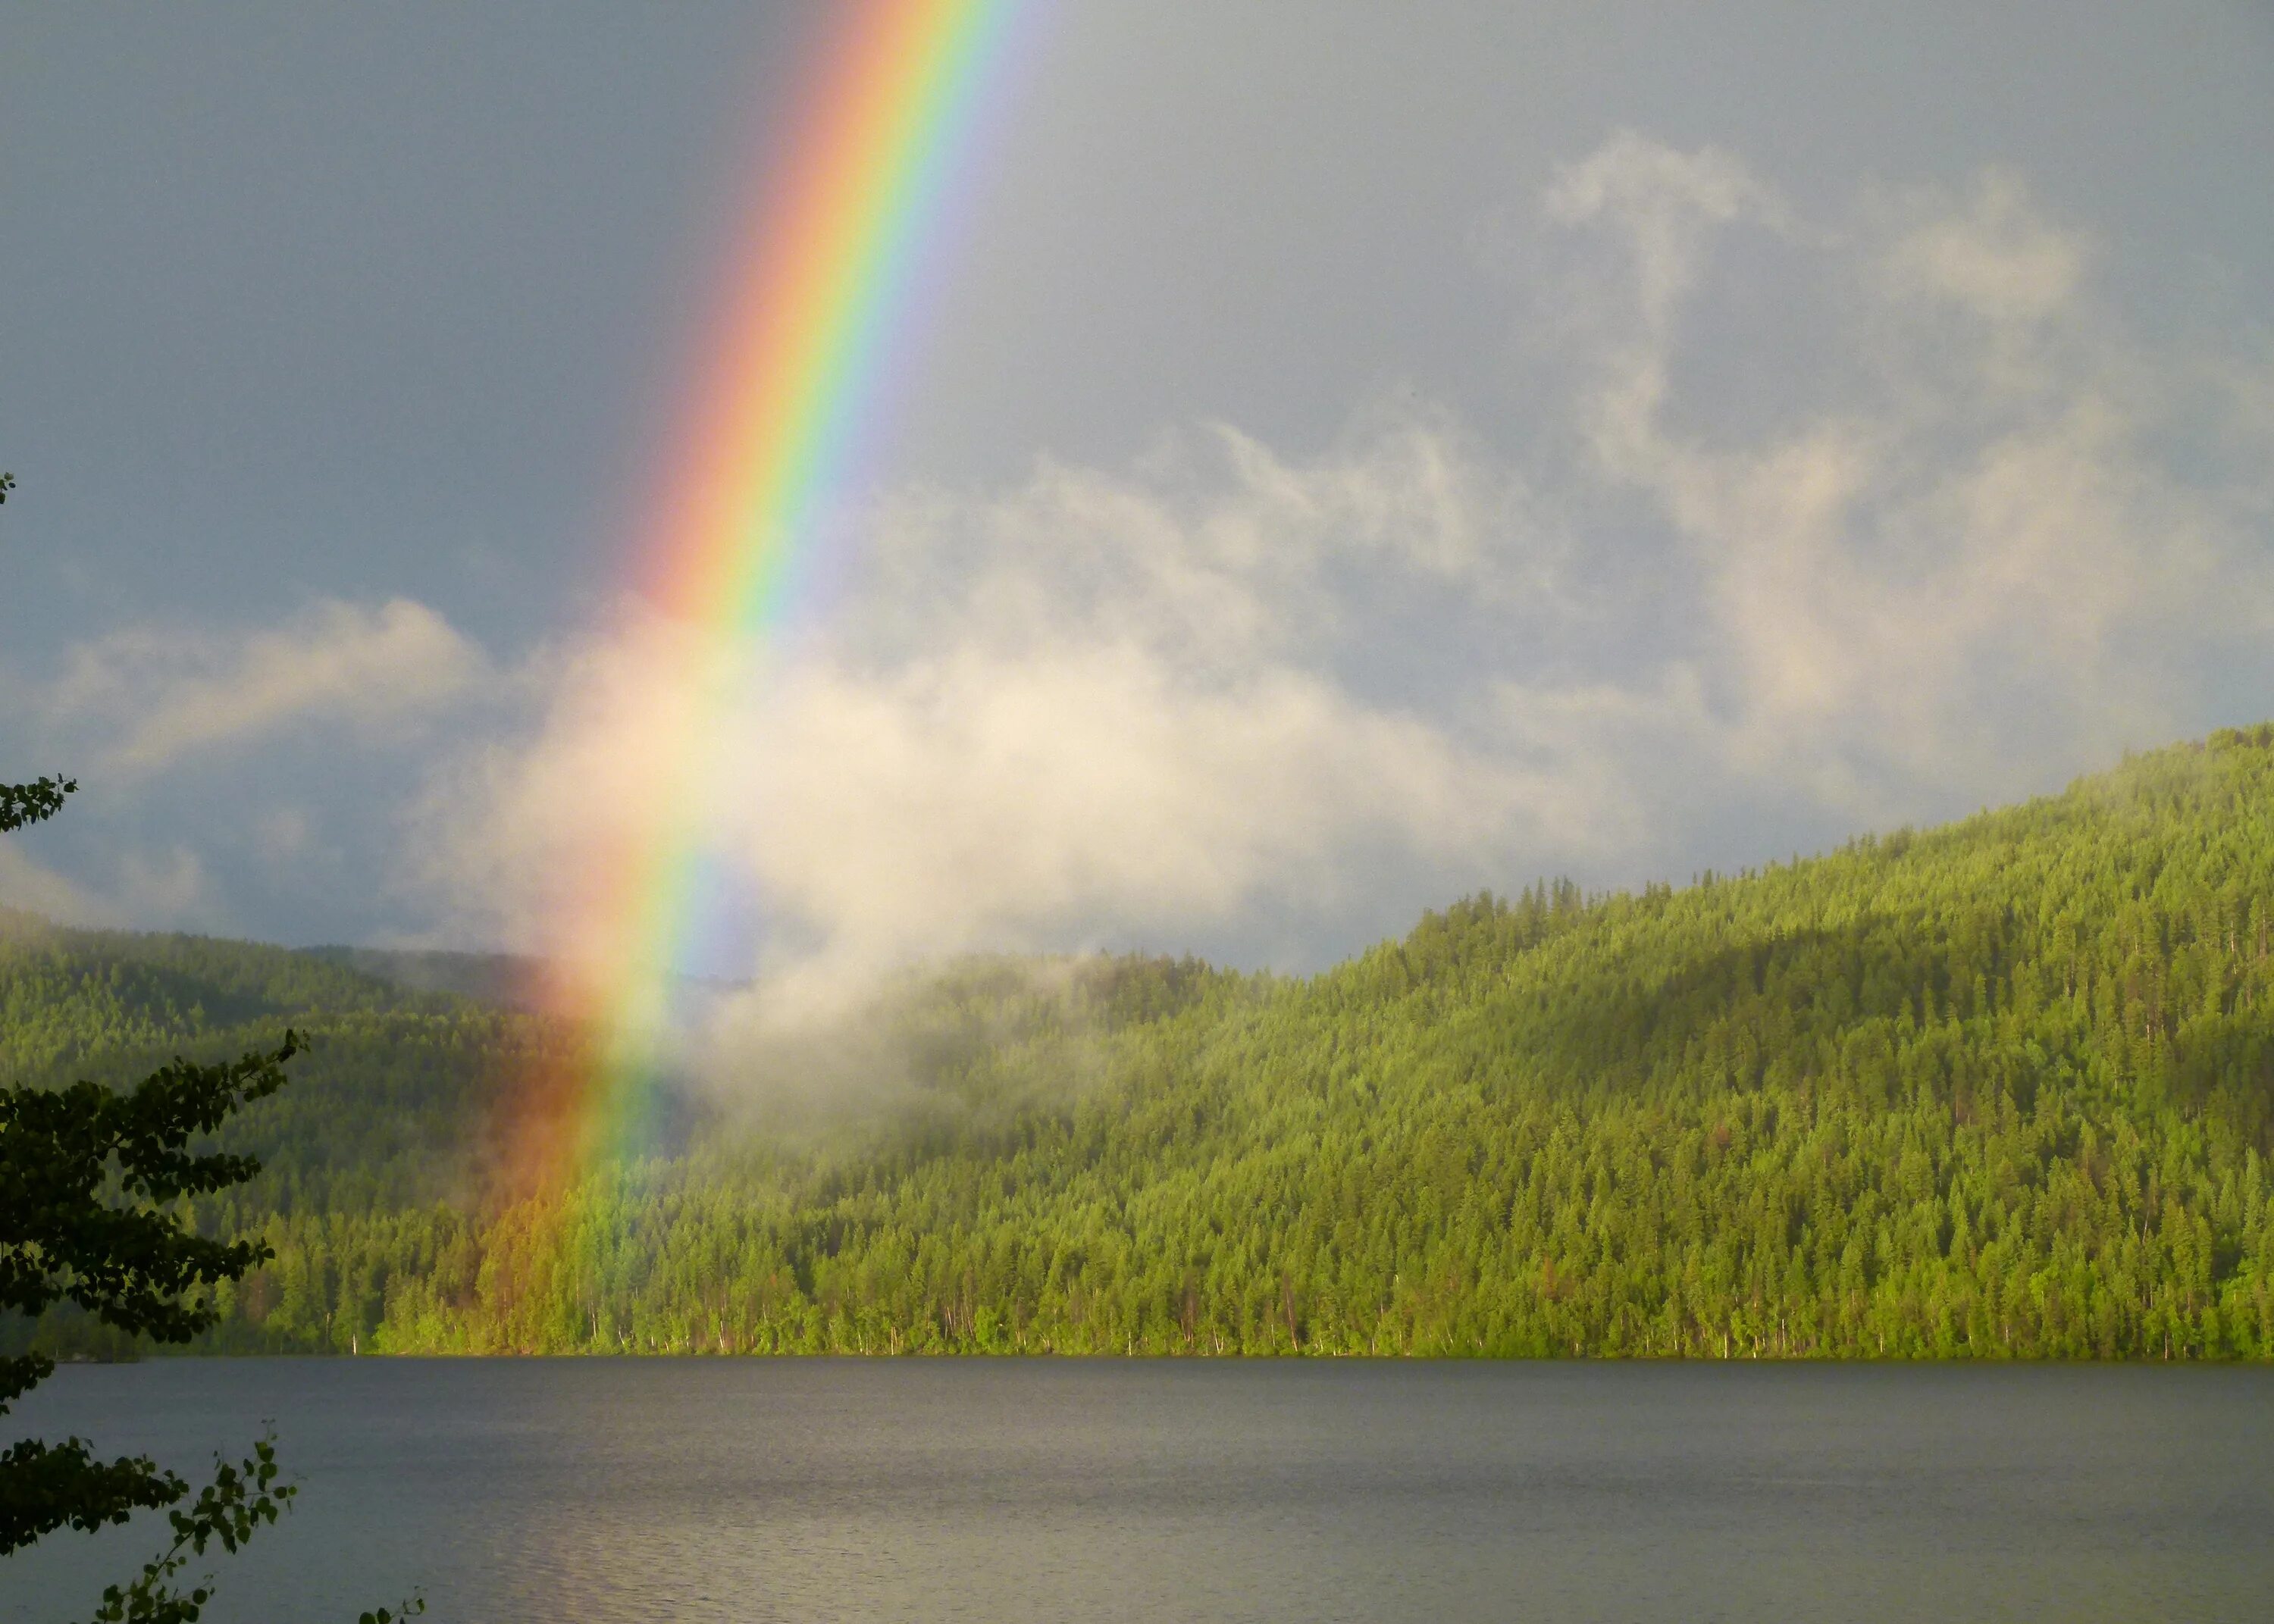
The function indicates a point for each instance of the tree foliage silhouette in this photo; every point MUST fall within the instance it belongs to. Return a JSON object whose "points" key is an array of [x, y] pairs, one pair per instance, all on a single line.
{"points": [[89, 1179]]}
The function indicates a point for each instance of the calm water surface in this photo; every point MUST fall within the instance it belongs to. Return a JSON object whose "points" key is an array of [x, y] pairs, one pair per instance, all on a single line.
{"points": [[699, 1489]]}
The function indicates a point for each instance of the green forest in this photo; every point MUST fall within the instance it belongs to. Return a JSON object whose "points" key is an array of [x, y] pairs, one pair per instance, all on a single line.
{"points": [[1999, 1089]]}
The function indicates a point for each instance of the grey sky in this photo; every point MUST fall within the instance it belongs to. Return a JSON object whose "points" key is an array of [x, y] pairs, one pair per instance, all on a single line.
{"points": [[311, 310]]}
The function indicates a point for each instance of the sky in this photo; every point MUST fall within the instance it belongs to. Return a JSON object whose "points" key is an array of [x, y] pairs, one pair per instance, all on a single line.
{"points": [[1346, 456]]}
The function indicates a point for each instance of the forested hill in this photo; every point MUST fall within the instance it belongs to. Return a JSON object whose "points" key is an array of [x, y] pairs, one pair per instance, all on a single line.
{"points": [[2004, 1088]]}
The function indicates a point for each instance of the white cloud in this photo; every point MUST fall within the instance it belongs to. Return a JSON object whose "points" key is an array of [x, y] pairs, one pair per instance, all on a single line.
{"points": [[975, 800], [1994, 255], [1214, 548], [145, 889], [152, 698], [1979, 561], [1668, 204], [1962, 560], [1966, 537], [31, 885], [1093, 704]]}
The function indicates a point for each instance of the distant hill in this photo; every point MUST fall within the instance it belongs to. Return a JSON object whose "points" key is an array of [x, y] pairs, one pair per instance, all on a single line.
{"points": [[501, 979], [2000, 1088], [69, 996]]}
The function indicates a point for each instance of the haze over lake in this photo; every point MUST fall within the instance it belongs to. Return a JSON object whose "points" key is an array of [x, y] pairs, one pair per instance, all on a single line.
{"points": [[620, 1490]]}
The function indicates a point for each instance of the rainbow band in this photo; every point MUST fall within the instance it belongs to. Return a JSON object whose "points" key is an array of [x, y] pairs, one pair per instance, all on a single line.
{"points": [[825, 291]]}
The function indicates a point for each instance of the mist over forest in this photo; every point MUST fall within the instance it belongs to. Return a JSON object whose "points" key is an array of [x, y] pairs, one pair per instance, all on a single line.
{"points": [[2003, 1088]]}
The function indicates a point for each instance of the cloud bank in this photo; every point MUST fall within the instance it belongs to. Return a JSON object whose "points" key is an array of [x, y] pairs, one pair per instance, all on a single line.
{"points": [[1971, 536], [1226, 685], [1092, 708]]}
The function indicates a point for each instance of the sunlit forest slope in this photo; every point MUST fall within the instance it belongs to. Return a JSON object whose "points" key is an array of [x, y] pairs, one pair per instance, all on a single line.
{"points": [[2002, 1088]]}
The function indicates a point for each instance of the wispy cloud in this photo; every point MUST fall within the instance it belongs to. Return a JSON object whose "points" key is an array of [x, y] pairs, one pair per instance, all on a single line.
{"points": [[1667, 205], [1971, 535], [1992, 253], [26, 883], [141, 890], [1980, 558], [1972, 550], [149, 698], [1092, 704]]}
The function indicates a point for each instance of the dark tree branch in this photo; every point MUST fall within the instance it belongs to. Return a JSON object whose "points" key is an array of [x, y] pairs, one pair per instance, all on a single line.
{"points": [[23, 804]]}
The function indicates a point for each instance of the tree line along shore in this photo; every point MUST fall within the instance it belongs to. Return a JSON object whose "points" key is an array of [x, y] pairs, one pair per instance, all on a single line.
{"points": [[1999, 1089]]}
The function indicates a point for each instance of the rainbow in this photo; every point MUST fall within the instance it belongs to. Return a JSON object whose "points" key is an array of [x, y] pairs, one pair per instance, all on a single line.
{"points": [[817, 309]]}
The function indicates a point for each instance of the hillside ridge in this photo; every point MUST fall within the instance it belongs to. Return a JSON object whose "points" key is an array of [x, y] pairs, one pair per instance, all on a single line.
{"points": [[2003, 1087]]}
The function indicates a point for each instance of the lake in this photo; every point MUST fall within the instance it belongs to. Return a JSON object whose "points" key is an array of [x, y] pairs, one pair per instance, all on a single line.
{"points": [[998, 1489]]}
